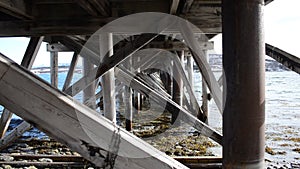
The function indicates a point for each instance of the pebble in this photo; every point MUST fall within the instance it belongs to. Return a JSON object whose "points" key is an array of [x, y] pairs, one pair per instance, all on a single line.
{"points": [[46, 160], [6, 158]]}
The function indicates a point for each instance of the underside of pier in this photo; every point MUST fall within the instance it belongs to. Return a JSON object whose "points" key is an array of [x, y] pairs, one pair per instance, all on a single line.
{"points": [[135, 50]]}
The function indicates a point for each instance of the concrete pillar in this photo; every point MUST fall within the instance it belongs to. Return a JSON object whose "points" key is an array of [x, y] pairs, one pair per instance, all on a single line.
{"points": [[244, 90], [54, 68], [108, 80]]}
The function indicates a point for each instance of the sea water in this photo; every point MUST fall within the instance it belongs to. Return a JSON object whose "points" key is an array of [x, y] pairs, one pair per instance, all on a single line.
{"points": [[282, 111]]}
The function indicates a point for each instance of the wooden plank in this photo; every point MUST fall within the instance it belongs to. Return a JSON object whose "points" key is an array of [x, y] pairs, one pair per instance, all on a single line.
{"points": [[15, 134], [74, 124], [288, 60], [110, 62], [130, 80], [27, 61], [15, 9]]}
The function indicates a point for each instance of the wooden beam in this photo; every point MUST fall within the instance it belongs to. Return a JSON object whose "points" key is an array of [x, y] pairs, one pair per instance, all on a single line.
{"points": [[54, 69], [74, 124], [89, 91], [88, 7], [174, 7], [187, 5], [14, 134], [108, 79], [203, 65], [71, 71], [102, 7], [110, 62], [57, 47], [80, 26], [15, 9], [27, 62], [79, 48], [55, 27]]}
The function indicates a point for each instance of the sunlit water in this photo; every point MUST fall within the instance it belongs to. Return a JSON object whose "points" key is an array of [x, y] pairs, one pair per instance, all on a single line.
{"points": [[282, 114]]}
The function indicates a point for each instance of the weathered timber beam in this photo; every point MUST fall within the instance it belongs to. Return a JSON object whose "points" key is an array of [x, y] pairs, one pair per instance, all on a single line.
{"points": [[187, 5], [14, 134], [109, 62], [15, 9], [174, 7], [102, 7], [288, 60], [73, 124], [71, 71], [88, 7], [27, 62], [132, 81], [57, 47], [80, 49], [79, 26], [203, 65]]}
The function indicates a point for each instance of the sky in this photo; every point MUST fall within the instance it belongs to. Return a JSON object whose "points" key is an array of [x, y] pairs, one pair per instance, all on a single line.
{"points": [[282, 26], [282, 29]]}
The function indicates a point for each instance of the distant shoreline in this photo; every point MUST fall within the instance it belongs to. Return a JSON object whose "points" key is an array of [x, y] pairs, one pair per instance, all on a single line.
{"points": [[61, 69]]}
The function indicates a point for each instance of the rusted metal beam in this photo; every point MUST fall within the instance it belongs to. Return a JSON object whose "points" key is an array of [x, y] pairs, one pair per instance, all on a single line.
{"points": [[288, 60], [244, 104]]}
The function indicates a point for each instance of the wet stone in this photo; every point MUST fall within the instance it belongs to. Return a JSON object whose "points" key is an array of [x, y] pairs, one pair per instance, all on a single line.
{"points": [[6, 158]]}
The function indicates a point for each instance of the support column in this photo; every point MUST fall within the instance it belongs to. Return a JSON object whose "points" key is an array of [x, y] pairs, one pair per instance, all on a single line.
{"points": [[205, 97], [54, 68], [177, 85], [190, 70], [108, 79], [244, 90], [128, 101], [89, 92]]}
